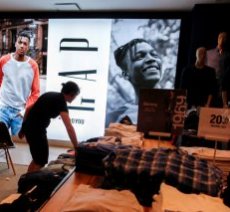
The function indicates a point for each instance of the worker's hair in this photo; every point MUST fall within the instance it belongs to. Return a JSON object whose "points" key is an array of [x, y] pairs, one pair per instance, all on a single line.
{"points": [[70, 88]]}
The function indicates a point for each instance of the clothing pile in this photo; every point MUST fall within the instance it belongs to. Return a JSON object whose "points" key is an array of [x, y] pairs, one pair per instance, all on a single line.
{"points": [[87, 198], [127, 133], [171, 199], [90, 154], [34, 188], [142, 171]]}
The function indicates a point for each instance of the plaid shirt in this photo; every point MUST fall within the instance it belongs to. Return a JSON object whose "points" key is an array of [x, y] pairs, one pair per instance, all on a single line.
{"points": [[186, 172]]}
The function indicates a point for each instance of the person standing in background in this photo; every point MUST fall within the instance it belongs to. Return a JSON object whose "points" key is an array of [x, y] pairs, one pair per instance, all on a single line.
{"points": [[200, 82], [19, 83], [213, 55], [224, 64], [215, 59]]}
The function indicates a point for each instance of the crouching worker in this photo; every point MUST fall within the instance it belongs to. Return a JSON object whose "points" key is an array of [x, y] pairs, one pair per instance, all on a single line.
{"points": [[38, 117]]}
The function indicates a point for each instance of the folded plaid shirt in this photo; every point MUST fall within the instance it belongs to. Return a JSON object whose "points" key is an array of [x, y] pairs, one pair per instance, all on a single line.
{"points": [[186, 172]]}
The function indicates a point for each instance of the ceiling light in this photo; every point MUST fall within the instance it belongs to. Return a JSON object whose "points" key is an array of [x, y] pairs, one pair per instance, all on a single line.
{"points": [[67, 4]]}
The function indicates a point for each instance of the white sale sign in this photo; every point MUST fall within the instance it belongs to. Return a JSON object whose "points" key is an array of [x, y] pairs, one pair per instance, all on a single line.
{"points": [[214, 124], [79, 53]]}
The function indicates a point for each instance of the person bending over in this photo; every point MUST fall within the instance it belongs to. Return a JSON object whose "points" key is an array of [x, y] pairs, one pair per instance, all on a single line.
{"points": [[37, 119]]}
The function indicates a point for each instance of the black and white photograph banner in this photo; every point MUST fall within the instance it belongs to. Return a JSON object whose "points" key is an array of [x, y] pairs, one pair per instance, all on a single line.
{"points": [[143, 54]]}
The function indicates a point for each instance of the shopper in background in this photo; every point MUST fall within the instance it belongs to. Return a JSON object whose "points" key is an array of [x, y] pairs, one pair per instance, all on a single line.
{"points": [[19, 83], [216, 59], [200, 82], [213, 55], [224, 64]]}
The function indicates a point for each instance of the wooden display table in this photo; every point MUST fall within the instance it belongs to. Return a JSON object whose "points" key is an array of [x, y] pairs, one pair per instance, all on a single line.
{"points": [[66, 190]]}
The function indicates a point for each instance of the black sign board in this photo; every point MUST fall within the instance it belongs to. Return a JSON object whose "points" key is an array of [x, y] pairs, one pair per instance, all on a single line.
{"points": [[161, 111]]}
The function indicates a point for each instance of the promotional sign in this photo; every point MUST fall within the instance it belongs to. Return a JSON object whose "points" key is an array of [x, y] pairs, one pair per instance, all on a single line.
{"points": [[122, 91], [161, 112], [214, 124], [79, 53]]}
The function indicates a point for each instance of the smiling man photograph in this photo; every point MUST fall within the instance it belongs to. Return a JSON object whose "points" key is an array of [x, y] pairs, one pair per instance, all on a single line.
{"points": [[143, 54], [141, 66]]}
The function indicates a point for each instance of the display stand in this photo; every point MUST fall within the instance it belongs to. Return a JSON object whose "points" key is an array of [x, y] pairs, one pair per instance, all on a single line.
{"points": [[159, 136], [161, 112], [214, 156], [216, 140], [214, 125], [5, 144]]}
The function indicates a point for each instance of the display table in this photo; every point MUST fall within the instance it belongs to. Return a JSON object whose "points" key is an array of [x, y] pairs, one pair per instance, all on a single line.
{"points": [[66, 190]]}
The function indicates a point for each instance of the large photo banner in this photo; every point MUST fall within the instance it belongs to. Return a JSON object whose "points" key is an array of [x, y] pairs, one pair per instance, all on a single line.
{"points": [[78, 50], [143, 54], [110, 59]]}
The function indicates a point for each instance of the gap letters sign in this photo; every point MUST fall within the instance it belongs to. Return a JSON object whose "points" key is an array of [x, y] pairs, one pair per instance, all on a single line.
{"points": [[79, 53]]}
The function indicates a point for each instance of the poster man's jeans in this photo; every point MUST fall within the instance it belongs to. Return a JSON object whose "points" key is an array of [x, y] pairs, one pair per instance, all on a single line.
{"points": [[10, 116]]}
